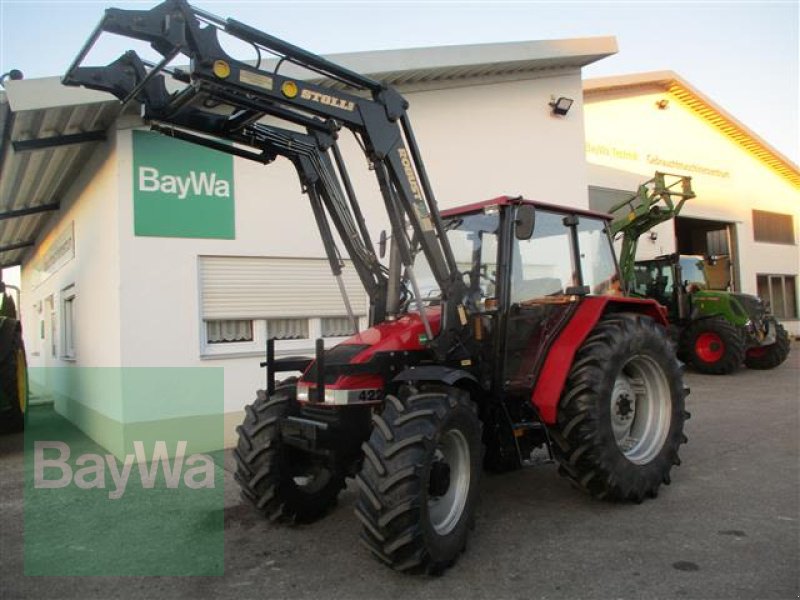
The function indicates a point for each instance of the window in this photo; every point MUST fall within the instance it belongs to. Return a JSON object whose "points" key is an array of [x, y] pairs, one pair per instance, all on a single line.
{"points": [[772, 227], [473, 240], [232, 336], [68, 302], [542, 265], [780, 291], [247, 300], [229, 331], [287, 329], [337, 327], [653, 279], [50, 310], [597, 258]]}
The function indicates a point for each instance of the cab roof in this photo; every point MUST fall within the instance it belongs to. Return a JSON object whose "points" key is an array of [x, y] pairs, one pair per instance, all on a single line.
{"points": [[514, 200]]}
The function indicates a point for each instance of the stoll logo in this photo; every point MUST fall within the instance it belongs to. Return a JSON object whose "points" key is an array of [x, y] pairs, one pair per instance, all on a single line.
{"points": [[90, 469], [199, 184]]}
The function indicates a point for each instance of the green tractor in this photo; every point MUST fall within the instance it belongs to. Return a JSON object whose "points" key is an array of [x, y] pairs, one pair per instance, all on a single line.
{"points": [[13, 366], [715, 330]]}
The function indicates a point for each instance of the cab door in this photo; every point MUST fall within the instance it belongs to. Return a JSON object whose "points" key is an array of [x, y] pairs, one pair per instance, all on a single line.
{"points": [[542, 280], [567, 257]]}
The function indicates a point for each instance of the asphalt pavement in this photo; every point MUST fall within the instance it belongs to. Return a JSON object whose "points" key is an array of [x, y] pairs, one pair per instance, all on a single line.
{"points": [[727, 527]]}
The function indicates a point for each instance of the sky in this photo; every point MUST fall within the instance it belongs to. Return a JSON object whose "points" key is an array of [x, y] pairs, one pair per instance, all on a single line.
{"points": [[743, 55]]}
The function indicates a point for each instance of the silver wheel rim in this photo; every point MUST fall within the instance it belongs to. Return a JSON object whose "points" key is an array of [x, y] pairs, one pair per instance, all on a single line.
{"points": [[445, 511], [641, 409]]}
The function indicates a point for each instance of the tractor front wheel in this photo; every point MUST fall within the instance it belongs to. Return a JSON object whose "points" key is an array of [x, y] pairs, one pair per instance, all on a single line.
{"points": [[14, 387], [713, 346], [419, 482], [282, 482], [769, 357], [620, 418]]}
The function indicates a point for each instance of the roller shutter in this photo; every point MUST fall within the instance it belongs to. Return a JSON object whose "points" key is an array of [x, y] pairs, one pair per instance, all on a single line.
{"points": [[236, 287]]}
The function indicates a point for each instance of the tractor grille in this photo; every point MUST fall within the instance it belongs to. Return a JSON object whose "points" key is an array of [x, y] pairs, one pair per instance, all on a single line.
{"points": [[338, 355], [752, 305]]}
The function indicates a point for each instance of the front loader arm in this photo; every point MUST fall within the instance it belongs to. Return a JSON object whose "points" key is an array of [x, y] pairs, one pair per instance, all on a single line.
{"points": [[656, 201], [227, 99]]}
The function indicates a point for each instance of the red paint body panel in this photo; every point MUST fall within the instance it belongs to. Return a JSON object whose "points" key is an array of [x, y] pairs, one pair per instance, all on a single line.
{"points": [[390, 336], [558, 362], [402, 334]]}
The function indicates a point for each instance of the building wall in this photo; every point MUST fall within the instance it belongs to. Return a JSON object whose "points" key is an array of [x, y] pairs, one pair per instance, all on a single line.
{"points": [[478, 142], [628, 135], [484, 141], [92, 273]]}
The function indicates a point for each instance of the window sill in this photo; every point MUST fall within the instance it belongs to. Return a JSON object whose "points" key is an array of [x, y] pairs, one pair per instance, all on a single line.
{"points": [[226, 355], [307, 349], [775, 243]]}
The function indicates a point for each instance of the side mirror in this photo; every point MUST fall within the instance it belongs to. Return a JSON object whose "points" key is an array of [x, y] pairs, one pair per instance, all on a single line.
{"points": [[382, 244], [526, 218]]}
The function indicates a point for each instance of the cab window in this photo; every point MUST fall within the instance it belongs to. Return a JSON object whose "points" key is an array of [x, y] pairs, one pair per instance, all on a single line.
{"points": [[542, 265]]}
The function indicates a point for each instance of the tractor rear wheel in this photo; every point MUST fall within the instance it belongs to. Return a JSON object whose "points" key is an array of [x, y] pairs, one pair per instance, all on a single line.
{"points": [[282, 482], [769, 357], [14, 386], [620, 418], [419, 482], [713, 346]]}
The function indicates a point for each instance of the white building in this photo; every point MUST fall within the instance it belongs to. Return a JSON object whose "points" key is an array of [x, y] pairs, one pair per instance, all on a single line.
{"points": [[748, 193], [122, 267]]}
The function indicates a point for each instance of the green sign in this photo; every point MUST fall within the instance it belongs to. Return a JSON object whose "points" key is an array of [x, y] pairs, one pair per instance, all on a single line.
{"points": [[181, 189]]}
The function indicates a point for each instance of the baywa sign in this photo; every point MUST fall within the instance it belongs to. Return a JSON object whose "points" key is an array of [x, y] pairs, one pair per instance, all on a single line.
{"points": [[199, 184], [181, 189], [91, 473]]}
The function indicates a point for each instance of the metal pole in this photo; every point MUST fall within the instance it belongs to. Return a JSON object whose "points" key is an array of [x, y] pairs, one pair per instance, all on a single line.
{"points": [[393, 290], [413, 279], [320, 370], [347, 306], [270, 366]]}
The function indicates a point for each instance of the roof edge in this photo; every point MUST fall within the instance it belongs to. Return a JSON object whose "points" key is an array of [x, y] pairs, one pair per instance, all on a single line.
{"points": [[590, 49], [48, 92], [726, 123]]}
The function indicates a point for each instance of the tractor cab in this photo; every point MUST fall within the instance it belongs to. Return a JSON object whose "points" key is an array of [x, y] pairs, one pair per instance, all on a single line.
{"points": [[526, 266], [676, 281], [670, 279]]}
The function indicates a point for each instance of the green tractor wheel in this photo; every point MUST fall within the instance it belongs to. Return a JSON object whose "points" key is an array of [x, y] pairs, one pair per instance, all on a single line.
{"points": [[769, 357], [14, 387], [713, 346]]}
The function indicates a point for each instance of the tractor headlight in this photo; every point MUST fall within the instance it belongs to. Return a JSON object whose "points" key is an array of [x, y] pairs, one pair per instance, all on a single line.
{"points": [[339, 397]]}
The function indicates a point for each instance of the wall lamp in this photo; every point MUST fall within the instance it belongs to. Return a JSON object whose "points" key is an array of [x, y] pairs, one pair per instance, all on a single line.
{"points": [[561, 106], [653, 236]]}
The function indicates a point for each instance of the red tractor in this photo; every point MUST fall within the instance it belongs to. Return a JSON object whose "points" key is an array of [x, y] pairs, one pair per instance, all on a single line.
{"points": [[497, 328]]}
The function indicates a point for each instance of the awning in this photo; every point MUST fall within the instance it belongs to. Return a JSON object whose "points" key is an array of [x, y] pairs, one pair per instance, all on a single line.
{"points": [[46, 134]]}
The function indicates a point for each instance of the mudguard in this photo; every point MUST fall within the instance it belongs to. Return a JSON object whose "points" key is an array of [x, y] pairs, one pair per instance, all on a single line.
{"points": [[550, 383]]}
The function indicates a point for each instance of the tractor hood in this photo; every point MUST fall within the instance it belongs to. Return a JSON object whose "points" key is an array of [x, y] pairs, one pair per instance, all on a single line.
{"points": [[406, 335]]}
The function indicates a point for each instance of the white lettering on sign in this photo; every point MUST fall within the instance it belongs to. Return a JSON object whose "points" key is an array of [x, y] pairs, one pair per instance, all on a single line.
{"points": [[200, 475], [199, 184]]}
